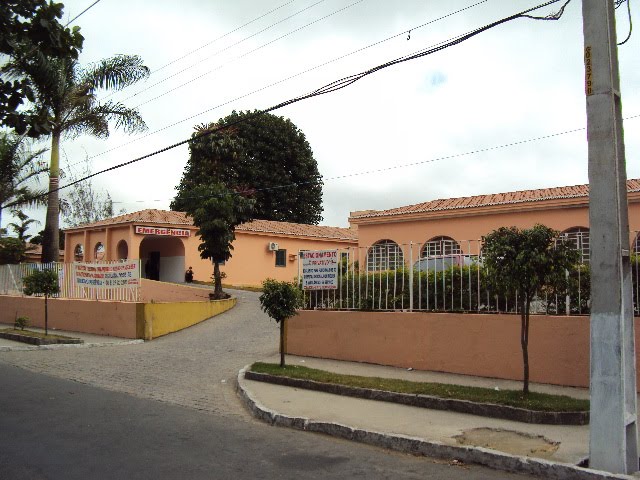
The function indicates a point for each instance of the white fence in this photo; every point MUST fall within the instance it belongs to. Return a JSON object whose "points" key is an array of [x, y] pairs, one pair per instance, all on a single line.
{"points": [[446, 276], [70, 281]]}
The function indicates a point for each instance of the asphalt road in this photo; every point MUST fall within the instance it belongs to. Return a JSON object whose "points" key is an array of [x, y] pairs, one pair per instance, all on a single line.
{"points": [[167, 410]]}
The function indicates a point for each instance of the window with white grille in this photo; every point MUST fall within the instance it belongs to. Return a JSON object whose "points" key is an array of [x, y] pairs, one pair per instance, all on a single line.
{"points": [[578, 237], [384, 255], [439, 246]]}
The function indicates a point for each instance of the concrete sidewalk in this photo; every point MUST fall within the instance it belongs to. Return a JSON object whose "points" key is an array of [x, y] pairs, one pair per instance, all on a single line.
{"points": [[89, 340], [548, 450]]}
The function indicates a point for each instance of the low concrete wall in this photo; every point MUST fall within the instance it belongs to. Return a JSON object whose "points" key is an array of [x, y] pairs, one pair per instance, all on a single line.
{"points": [[164, 318], [116, 319], [468, 344], [101, 317]]}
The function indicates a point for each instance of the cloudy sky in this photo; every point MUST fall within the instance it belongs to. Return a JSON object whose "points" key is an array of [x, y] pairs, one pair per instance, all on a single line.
{"points": [[426, 129]]}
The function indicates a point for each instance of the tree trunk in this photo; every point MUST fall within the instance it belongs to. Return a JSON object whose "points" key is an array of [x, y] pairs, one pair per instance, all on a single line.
{"points": [[524, 342], [282, 343], [50, 239], [217, 280], [46, 317]]}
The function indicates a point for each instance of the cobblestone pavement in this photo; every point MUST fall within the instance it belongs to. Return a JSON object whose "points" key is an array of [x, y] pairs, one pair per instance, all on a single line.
{"points": [[194, 368]]}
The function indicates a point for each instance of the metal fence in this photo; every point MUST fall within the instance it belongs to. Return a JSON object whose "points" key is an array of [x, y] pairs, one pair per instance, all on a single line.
{"points": [[11, 282], [446, 276]]}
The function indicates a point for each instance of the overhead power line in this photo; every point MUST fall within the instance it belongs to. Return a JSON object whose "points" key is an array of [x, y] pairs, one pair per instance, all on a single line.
{"points": [[234, 45], [290, 77], [82, 13], [331, 87], [396, 167]]}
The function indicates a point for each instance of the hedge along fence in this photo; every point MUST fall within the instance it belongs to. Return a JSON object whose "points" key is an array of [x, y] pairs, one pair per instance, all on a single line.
{"points": [[455, 289]]}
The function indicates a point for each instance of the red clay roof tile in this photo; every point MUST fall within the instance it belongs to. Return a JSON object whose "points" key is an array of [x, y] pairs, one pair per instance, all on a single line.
{"points": [[522, 196], [167, 217]]}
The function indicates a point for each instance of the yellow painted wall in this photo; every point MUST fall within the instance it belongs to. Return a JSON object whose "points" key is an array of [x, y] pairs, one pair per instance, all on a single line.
{"points": [[164, 318], [111, 318]]}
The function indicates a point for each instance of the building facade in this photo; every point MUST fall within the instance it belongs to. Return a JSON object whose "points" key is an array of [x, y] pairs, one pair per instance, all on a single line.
{"points": [[457, 225], [167, 244]]}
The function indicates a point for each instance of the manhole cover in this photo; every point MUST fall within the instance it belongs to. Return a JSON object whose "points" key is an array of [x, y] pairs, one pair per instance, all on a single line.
{"points": [[507, 441]]}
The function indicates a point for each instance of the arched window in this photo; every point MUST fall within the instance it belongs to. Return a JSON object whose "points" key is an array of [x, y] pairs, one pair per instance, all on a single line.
{"points": [[439, 246], [578, 237], [384, 255], [635, 246], [123, 250], [78, 252], [98, 252]]}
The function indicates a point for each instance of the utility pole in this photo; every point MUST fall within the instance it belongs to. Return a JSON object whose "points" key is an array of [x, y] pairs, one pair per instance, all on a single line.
{"points": [[613, 425]]}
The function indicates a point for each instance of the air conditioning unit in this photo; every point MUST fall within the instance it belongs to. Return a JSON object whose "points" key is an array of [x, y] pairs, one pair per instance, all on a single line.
{"points": [[273, 246]]}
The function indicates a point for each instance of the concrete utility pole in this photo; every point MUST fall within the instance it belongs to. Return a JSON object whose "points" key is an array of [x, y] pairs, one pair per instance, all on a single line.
{"points": [[613, 426]]}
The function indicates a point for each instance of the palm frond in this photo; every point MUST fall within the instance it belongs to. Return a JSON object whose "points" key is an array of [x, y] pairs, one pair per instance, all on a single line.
{"points": [[115, 73]]}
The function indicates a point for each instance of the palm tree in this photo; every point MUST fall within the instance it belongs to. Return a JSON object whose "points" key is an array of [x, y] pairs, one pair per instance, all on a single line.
{"points": [[19, 168], [67, 93]]}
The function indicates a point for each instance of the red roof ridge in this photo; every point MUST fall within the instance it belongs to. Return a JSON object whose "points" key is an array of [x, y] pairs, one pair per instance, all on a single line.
{"points": [[492, 199]]}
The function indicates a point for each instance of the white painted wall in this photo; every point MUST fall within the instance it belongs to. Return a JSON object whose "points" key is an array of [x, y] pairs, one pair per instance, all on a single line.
{"points": [[172, 269]]}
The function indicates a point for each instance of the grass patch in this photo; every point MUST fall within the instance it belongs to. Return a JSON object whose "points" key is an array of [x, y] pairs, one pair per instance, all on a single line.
{"points": [[29, 333], [541, 402]]}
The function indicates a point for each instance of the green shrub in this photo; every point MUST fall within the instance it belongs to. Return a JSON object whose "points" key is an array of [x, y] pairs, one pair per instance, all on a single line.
{"points": [[21, 323]]}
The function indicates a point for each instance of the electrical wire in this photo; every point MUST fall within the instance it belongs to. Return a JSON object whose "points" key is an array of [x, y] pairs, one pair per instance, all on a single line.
{"points": [[630, 24], [331, 87], [234, 45], [204, 46], [249, 53], [392, 167], [191, 117], [82, 13]]}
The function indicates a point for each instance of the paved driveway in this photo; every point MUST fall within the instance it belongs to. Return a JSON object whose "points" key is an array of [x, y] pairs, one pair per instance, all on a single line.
{"points": [[194, 368]]}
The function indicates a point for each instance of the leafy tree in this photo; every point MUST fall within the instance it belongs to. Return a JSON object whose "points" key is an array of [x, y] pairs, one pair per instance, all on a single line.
{"points": [[264, 155], [37, 239], [216, 211], [84, 204], [20, 229], [12, 251], [280, 300], [523, 262], [42, 282], [68, 93], [29, 29], [19, 171]]}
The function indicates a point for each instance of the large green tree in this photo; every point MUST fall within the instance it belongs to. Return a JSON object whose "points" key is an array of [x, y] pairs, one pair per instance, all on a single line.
{"points": [[521, 263], [264, 155], [30, 29], [20, 170], [68, 93], [216, 210]]}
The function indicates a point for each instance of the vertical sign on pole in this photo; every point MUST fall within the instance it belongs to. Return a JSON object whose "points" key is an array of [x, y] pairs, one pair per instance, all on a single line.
{"points": [[613, 423]]}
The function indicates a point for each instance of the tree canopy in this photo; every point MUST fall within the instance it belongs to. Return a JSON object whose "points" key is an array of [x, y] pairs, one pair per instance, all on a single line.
{"points": [[280, 300], [19, 171], [523, 263], [216, 211], [264, 156], [68, 93], [30, 29]]}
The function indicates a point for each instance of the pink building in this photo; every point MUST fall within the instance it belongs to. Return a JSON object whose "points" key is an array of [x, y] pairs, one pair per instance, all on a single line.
{"points": [[167, 244]]}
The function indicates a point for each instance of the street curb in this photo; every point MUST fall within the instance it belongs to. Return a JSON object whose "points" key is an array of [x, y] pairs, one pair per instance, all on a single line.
{"points": [[427, 401], [421, 447], [22, 348]]}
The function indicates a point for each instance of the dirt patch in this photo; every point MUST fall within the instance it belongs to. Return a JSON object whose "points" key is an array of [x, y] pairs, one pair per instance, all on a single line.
{"points": [[515, 443]]}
